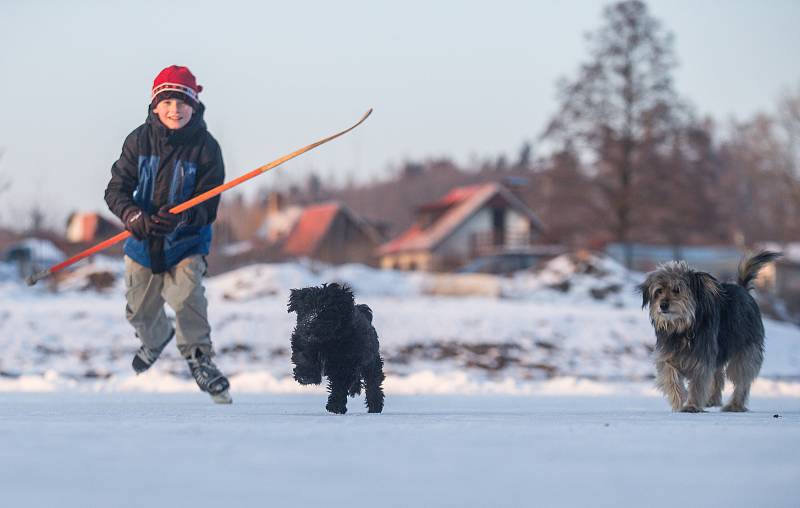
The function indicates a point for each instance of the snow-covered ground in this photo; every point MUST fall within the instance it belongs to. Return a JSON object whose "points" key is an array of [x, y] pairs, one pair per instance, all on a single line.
{"points": [[534, 390], [133, 450], [575, 327]]}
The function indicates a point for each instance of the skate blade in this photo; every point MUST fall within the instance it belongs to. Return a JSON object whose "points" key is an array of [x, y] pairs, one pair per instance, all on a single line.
{"points": [[222, 398]]}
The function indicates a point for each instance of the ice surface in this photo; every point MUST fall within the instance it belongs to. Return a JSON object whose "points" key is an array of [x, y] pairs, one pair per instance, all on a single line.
{"points": [[134, 450]]}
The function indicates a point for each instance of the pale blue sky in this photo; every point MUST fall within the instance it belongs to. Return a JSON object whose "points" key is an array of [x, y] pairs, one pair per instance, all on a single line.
{"points": [[463, 79]]}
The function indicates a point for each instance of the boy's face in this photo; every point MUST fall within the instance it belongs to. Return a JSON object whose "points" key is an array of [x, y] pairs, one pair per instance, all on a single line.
{"points": [[173, 113]]}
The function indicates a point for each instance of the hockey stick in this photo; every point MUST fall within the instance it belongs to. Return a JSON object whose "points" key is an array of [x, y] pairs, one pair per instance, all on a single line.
{"points": [[33, 279]]}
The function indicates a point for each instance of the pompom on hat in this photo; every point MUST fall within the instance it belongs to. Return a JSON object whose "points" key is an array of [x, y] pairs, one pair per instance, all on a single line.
{"points": [[176, 82]]}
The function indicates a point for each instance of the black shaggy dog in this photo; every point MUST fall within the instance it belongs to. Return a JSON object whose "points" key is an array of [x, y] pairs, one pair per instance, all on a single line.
{"points": [[705, 330], [334, 337]]}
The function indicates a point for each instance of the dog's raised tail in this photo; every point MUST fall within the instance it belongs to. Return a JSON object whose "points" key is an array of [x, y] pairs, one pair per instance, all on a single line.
{"points": [[751, 265]]}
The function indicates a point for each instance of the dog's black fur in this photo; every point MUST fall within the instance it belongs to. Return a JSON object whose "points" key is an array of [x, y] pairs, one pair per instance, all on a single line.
{"points": [[705, 330], [334, 337]]}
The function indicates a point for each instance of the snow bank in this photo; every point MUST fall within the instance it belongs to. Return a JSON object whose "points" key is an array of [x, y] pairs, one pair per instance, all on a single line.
{"points": [[574, 327]]}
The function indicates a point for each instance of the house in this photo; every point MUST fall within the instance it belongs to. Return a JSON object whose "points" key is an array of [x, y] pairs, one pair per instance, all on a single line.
{"points": [[467, 222], [85, 227], [719, 260], [782, 278], [330, 232], [787, 283]]}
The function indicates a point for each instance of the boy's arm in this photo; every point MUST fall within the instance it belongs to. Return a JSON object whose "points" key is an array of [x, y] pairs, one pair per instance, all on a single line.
{"points": [[124, 179], [211, 174]]}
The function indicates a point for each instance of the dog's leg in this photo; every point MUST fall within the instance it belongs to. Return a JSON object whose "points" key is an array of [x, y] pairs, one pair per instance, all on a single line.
{"points": [[670, 382], [337, 399], [699, 390], [373, 378], [355, 387], [742, 371], [307, 370], [716, 389]]}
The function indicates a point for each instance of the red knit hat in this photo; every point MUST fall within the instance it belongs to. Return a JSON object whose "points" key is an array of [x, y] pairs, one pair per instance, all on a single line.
{"points": [[173, 81]]}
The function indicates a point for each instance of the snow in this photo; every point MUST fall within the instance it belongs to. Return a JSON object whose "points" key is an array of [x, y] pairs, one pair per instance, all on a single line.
{"points": [[236, 248], [259, 280], [575, 327], [133, 450]]}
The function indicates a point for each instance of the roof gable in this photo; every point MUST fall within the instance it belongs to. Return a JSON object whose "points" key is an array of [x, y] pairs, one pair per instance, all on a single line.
{"points": [[314, 224], [310, 229]]}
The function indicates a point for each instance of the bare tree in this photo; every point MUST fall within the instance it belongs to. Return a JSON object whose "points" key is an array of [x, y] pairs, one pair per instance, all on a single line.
{"points": [[789, 119], [763, 184], [620, 106]]}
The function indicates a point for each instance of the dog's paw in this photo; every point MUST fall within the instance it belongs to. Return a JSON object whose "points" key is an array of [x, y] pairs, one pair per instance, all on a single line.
{"points": [[375, 408], [734, 408], [338, 409], [688, 408]]}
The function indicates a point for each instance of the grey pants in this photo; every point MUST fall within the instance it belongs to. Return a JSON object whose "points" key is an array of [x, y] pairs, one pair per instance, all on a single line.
{"points": [[181, 287]]}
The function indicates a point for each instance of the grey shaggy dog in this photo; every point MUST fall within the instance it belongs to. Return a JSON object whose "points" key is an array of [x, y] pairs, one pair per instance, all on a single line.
{"points": [[706, 330]]}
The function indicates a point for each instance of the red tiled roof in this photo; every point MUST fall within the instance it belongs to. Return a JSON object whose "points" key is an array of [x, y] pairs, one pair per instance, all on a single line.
{"points": [[412, 234], [453, 197], [310, 229]]}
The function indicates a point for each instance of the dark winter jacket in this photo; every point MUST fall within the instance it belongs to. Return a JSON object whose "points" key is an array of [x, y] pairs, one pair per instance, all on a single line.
{"points": [[161, 166]]}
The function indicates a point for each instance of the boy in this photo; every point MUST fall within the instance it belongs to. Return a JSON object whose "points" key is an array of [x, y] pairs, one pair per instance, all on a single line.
{"points": [[166, 161]]}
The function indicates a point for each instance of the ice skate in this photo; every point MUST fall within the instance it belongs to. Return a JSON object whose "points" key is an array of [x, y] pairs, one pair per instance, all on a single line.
{"points": [[146, 357], [209, 378]]}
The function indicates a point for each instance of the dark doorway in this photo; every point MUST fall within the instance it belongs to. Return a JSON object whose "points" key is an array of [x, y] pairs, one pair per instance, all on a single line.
{"points": [[499, 226]]}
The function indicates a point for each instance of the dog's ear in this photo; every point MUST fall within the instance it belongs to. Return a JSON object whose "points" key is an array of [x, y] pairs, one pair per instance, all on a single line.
{"points": [[294, 300], [348, 291], [706, 291], [644, 289], [340, 286], [344, 291], [365, 310]]}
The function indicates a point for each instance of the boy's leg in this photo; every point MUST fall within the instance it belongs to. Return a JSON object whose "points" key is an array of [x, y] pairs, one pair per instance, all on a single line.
{"points": [[184, 292], [145, 306]]}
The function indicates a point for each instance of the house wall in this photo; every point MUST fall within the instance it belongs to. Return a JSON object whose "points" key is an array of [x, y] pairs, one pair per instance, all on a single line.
{"points": [[518, 229], [457, 249], [345, 242], [720, 261], [787, 284], [406, 261]]}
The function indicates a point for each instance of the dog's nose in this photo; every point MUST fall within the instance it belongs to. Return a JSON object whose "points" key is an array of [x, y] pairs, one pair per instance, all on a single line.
{"points": [[664, 305]]}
